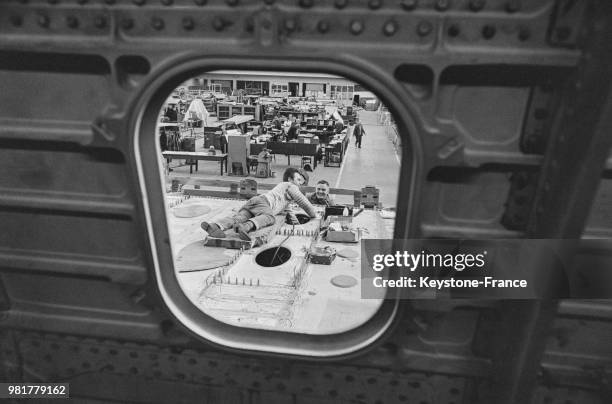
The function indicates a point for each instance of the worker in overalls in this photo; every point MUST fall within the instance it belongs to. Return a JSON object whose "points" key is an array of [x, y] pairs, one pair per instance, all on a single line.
{"points": [[260, 211]]}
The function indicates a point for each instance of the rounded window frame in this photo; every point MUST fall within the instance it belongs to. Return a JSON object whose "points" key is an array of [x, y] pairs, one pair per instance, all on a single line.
{"points": [[161, 82]]}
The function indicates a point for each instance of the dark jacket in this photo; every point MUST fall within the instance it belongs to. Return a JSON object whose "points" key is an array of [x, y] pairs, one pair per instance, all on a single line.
{"points": [[172, 115], [327, 201], [358, 131], [293, 132]]}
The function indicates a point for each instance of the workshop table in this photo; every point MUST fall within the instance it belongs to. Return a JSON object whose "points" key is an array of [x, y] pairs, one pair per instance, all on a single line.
{"points": [[294, 149], [221, 158]]}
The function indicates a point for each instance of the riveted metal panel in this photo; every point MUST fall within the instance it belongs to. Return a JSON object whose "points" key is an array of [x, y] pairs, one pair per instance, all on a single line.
{"points": [[480, 90]]}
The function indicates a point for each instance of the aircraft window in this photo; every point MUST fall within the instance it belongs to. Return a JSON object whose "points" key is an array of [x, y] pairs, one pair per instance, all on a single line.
{"points": [[295, 265]]}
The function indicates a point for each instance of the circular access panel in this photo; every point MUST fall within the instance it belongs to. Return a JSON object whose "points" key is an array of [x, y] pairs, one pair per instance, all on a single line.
{"points": [[196, 257], [273, 257], [344, 281]]}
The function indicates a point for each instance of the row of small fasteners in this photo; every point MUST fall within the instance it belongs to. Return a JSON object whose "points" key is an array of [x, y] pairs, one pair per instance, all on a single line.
{"points": [[228, 281], [287, 232], [235, 257]]}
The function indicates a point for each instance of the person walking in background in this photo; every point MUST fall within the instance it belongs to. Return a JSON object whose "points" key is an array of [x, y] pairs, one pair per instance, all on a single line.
{"points": [[359, 132]]}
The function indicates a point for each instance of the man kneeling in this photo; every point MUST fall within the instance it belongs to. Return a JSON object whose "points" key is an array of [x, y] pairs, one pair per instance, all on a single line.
{"points": [[260, 210]]}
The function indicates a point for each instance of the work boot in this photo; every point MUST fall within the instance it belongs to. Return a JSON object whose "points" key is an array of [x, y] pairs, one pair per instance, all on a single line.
{"points": [[213, 230], [243, 229]]}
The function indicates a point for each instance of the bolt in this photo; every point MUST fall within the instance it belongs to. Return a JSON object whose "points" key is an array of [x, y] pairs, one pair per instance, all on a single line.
{"points": [[453, 31], [477, 5], [488, 31], [43, 20], [72, 22], [306, 3], [157, 23], [188, 23], [442, 5], [16, 20], [424, 28], [375, 4], [524, 34], [100, 21], [409, 5], [339, 4], [390, 28], [218, 24], [512, 6], [290, 24], [356, 27]]}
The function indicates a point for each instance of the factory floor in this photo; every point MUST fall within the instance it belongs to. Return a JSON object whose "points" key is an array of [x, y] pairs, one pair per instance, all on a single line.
{"points": [[314, 305], [376, 163]]}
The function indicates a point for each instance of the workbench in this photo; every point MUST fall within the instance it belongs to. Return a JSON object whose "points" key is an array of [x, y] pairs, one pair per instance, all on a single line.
{"points": [[221, 158]]}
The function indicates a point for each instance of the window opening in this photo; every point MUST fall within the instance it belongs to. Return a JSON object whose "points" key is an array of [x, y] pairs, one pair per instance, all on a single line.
{"points": [[268, 197]]}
